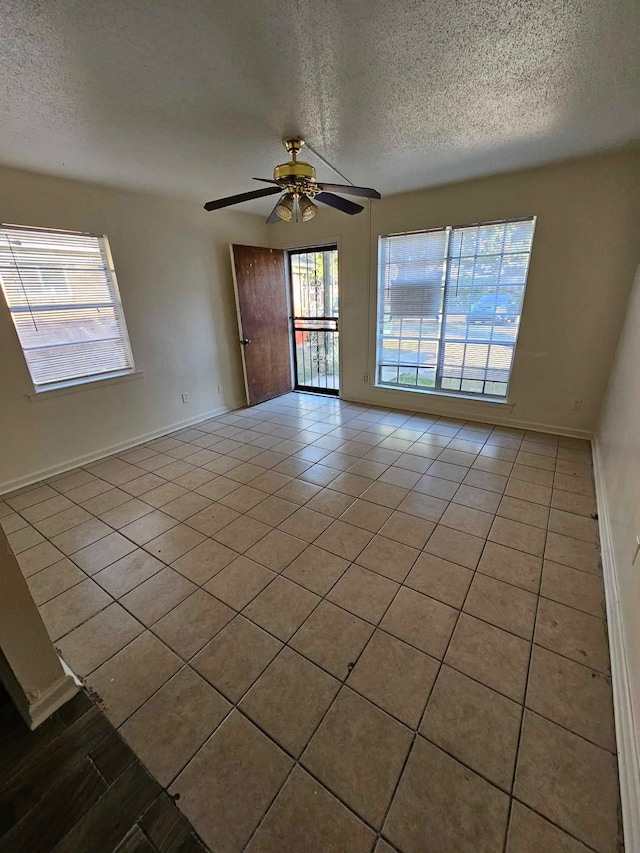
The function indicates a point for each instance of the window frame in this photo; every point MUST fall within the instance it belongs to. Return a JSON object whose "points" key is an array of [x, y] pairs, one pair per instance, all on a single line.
{"points": [[78, 382], [378, 316]]}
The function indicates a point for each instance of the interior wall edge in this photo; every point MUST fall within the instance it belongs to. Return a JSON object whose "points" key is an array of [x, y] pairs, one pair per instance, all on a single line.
{"points": [[69, 464], [627, 727]]}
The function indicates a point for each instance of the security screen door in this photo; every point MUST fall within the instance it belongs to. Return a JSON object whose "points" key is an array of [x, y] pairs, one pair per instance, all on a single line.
{"points": [[313, 275]]}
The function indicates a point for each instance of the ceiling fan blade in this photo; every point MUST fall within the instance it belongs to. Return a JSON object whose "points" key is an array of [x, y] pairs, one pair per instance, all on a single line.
{"points": [[347, 189], [273, 216], [236, 199], [266, 180], [342, 204]]}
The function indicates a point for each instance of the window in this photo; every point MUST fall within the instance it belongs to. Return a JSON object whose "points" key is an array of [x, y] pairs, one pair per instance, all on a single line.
{"points": [[62, 293], [449, 306]]}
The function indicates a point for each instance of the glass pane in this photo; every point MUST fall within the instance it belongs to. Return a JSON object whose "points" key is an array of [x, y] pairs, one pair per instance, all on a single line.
{"points": [[388, 374], [485, 283], [496, 389], [426, 378], [408, 376], [410, 296], [450, 384]]}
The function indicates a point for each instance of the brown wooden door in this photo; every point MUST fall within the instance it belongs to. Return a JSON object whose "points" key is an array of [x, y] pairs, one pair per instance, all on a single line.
{"points": [[263, 321]]}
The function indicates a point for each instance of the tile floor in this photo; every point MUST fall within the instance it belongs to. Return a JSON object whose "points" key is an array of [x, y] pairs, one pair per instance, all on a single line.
{"points": [[331, 627]]}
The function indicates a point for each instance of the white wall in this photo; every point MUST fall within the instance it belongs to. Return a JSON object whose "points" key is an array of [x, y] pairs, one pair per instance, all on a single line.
{"points": [[618, 455], [584, 253], [174, 274]]}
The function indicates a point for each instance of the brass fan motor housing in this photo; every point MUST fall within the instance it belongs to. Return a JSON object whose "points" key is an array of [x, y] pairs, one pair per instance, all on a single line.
{"points": [[295, 174], [294, 169]]}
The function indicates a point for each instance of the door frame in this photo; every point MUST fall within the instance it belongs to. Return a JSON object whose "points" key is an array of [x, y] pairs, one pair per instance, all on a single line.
{"points": [[239, 322], [333, 245]]}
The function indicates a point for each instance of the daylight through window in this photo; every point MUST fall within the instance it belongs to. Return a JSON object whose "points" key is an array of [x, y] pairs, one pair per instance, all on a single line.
{"points": [[449, 306], [62, 293]]}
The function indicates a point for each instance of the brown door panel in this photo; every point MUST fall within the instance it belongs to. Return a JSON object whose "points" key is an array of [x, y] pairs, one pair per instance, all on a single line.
{"points": [[263, 320]]}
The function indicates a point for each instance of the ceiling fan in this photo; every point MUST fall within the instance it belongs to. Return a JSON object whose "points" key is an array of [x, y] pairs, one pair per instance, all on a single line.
{"points": [[297, 181]]}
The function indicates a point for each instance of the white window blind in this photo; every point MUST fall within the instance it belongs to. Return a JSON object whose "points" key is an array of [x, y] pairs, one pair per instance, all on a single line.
{"points": [[62, 293], [449, 306]]}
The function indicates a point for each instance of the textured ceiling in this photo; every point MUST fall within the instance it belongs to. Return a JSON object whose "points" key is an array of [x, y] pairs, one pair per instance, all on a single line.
{"points": [[191, 98]]}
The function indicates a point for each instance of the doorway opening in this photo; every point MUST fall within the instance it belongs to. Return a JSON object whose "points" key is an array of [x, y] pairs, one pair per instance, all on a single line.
{"points": [[313, 275]]}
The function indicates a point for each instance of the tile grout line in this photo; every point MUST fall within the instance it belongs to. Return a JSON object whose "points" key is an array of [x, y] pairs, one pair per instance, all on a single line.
{"points": [[523, 710]]}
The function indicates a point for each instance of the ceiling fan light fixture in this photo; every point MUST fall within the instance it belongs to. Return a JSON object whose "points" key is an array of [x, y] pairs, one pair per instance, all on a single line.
{"points": [[307, 208], [300, 190], [284, 208]]}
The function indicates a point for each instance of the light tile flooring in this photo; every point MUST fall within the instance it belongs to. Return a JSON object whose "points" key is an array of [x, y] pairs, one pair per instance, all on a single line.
{"points": [[329, 627]]}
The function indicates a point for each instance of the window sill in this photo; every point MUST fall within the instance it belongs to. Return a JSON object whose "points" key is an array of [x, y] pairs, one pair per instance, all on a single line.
{"points": [[505, 405], [84, 385]]}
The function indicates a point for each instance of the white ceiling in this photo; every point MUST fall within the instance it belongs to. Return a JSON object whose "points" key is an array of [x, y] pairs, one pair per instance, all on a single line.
{"points": [[191, 98]]}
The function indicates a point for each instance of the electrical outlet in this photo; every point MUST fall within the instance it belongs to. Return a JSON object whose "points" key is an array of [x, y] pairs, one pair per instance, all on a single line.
{"points": [[185, 398], [576, 404], [366, 377]]}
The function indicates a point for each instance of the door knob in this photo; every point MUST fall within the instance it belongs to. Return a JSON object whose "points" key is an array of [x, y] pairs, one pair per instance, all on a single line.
{"points": [[245, 341]]}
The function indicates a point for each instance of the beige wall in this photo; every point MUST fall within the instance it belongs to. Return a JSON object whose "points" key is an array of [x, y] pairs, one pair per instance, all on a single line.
{"points": [[172, 263], [585, 250], [173, 269], [618, 448]]}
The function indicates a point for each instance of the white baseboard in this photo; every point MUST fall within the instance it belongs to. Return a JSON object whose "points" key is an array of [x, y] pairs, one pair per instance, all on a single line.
{"points": [[101, 453], [627, 737], [489, 414]]}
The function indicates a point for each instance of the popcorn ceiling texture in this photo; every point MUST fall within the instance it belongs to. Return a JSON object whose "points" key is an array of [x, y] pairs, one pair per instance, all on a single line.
{"points": [[190, 100]]}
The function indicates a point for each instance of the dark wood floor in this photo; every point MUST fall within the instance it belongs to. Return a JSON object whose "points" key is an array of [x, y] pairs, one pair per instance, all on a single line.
{"points": [[74, 785]]}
